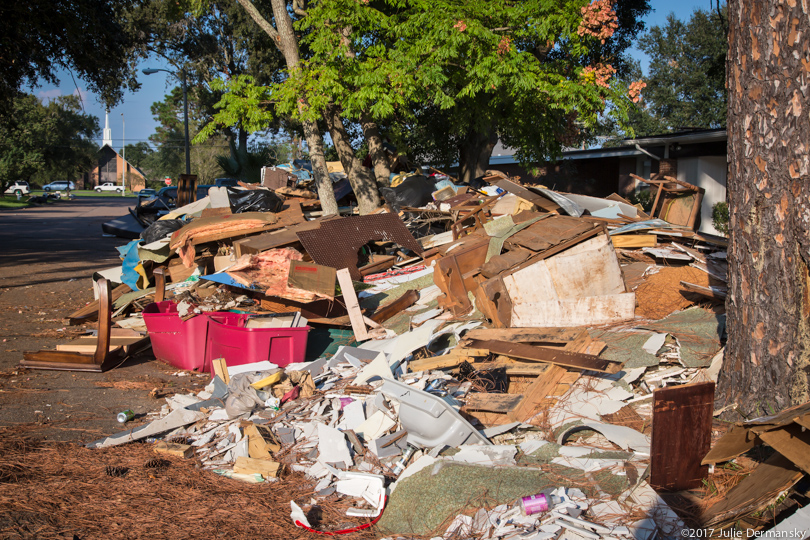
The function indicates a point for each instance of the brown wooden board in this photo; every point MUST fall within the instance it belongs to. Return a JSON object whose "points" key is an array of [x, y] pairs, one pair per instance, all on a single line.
{"points": [[499, 403], [494, 302], [537, 393], [387, 311], [546, 354], [526, 335], [742, 436], [681, 435], [756, 491], [793, 442], [531, 196]]}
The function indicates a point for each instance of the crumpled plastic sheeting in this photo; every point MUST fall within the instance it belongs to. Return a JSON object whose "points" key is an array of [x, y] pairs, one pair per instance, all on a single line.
{"points": [[133, 273]]}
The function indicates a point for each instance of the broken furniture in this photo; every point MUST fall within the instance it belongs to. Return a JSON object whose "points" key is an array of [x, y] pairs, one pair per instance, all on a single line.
{"points": [[675, 201], [98, 354]]}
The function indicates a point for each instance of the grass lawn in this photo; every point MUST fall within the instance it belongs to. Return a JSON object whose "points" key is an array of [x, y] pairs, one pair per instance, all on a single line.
{"points": [[12, 202]]}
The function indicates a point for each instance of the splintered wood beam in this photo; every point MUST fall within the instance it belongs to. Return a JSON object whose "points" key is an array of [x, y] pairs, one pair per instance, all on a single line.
{"points": [[552, 356], [389, 310]]}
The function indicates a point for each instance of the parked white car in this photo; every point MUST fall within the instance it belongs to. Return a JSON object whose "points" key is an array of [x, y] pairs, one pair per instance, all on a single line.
{"points": [[109, 186], [20, 187]]}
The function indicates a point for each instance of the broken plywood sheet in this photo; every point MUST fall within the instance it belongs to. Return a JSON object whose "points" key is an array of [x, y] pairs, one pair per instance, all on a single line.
{"points": [[576, 312], [587, 269], [743, 435], [756, 491], [699, 332], [581, 286]]}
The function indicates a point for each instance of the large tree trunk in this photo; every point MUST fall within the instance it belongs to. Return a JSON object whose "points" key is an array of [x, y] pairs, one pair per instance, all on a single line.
{"points": [[361, 179], [376, 150], [284, 37], [474, 153], [766, 361]]}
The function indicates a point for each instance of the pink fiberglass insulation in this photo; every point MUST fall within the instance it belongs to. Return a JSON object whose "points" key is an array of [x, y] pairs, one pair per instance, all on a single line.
{"points": [[270, 270]]}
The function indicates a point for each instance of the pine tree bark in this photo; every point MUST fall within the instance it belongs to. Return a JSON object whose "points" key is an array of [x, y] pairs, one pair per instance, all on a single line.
{"points": [[361, 179], [767, 355], [284, 37]]}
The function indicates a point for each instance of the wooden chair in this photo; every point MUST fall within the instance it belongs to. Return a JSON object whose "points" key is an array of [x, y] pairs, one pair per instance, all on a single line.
{"points": [[675, 201], [97, 354]]}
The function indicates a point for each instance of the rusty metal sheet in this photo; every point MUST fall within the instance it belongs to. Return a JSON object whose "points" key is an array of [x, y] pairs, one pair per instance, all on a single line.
{"points": [[336, 242]]}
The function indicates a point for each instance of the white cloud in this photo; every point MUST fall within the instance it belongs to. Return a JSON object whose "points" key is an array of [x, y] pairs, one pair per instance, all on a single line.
{"points": [[82, 95], [46, 95]]}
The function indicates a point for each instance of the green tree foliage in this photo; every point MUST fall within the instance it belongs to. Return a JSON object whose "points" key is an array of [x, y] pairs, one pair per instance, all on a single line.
{"points": [[463, 74], [46, 142], [215, 44], [83, 36], [686, 85]]}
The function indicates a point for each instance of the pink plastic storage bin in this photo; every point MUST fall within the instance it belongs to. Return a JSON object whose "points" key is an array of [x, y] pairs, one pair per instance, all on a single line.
{"points": [[175, 341], [229, 339]]}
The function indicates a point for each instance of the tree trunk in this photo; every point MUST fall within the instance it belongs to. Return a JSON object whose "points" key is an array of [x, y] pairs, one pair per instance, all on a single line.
{"points": [[361, 179], [474, 153], [284, 37], [379, 158], [766, 361]]}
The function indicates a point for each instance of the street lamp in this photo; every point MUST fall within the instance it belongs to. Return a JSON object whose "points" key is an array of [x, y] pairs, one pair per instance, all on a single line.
{"points": [[150, 71]]}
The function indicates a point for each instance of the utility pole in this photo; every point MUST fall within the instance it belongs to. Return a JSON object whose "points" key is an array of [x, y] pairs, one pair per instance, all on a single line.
{"points": [[124, 153]]}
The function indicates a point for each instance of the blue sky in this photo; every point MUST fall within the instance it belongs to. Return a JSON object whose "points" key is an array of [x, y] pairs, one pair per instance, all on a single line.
{"points": [[137, 122]]}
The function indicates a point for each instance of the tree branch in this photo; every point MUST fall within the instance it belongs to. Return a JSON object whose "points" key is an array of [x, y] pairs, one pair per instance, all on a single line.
{"points": [[259, 19], [298, 8]]}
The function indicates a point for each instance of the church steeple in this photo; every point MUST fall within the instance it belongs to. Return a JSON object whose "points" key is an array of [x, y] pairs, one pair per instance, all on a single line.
{"points": [[107, 130]]}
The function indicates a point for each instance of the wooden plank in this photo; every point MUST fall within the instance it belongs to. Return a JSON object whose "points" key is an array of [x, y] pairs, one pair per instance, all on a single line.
{"points": [[221, 369], [451, 360], [803, 420], [352, 306], [634, 240], [513, 367], [536, 394], [522, 192], [681, 436], [264, 467], [717, 293], [793, 442], [174, 449], [498, 403], [545, 354], [258, 447], [387, 311], [527, 335]]}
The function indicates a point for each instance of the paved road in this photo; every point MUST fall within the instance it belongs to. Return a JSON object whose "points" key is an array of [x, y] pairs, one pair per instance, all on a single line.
{"points": [[47, 258], [58, 241]]}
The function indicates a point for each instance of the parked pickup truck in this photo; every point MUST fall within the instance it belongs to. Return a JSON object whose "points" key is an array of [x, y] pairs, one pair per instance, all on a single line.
{"points": [[109, 186]]}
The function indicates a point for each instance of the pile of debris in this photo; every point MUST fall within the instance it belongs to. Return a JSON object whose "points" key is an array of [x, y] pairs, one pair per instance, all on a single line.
{"points": [[502, 362]]}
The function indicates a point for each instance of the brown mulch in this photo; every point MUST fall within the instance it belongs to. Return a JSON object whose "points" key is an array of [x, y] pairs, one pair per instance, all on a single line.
{"points": [[61, 490]]}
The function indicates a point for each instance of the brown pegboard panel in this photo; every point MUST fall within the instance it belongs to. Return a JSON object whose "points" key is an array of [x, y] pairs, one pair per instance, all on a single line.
{"points": [[337, 241]]}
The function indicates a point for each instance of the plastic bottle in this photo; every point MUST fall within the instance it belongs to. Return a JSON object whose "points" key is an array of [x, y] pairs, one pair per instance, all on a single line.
{"points": [[540, 502]]}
